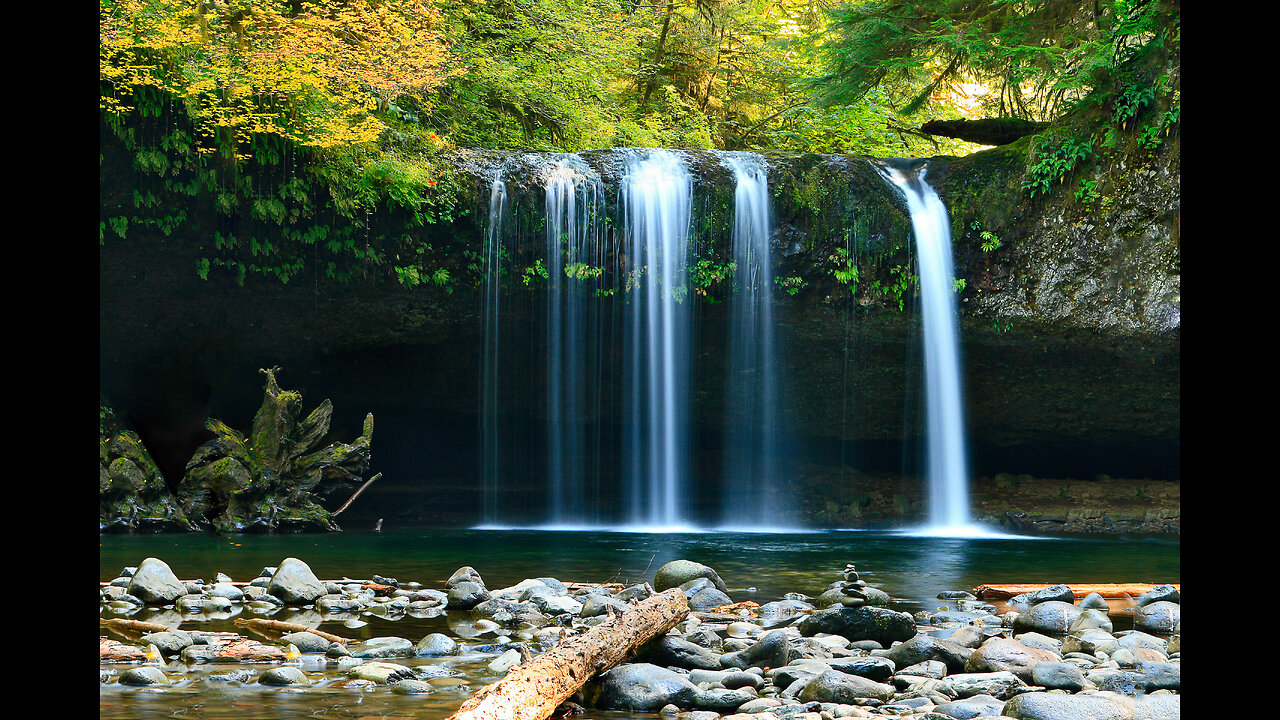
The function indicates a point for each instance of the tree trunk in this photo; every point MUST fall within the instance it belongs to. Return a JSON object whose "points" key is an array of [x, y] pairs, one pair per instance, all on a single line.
{"points": [[534, 690]]}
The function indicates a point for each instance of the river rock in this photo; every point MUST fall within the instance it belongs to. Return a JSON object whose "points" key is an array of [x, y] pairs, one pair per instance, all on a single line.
{"points": [[596, 605], [971, 707], [436, 645], [669, 650], [307, 642], [678, 572], [283, 676], [1091, 620], [1094, 601], [723, 698], [1042, 642], [295, 584], [1005, 654], [1057, 706], [550, 604], [879, 669], [970, 636], [1001, 684], [382, 673], [154, 583], [1160, 616], [1160, 675], [642, 687], [882, 625], [923, 647], [1053, 617], [837, 687], [1088, 642], [1159, 593], [1060, 593], [466, 594], [228, 591], [145, 675], [466, 573], [1057, 676], [706, 597]]}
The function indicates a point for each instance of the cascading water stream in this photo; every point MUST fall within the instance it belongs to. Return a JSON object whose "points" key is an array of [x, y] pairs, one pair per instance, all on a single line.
{"points": [[574, 211], [656, 197], [751, 464], [947, 454], [489, 366]]}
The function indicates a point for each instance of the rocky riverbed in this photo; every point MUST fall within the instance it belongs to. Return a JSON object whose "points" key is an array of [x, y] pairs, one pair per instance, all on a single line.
{"points": [[840, 652]]}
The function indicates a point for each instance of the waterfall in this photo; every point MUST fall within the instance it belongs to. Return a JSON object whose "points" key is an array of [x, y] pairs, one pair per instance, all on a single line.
{"points": [[574, 212], [489, 360], [944, 403], [751, 462], [656, 198]]}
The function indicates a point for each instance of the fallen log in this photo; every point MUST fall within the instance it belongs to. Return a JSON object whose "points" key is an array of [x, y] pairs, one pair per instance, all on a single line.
{"points": [[133, 628], [987, 131], [276, 628], [1106, 590], [533, 691]]}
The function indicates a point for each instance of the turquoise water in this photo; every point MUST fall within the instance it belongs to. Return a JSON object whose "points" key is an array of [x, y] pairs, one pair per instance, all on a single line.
{"points": [[760, 567]]}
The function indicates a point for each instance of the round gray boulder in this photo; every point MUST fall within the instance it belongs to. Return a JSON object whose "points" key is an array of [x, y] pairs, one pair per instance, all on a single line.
{"points": [[295, 584], [1053, 617], [283, 676], [1056, 706], [679, 572], [643, 687], [145, 675], [837, 687], [1160, 616], [154, 583]]}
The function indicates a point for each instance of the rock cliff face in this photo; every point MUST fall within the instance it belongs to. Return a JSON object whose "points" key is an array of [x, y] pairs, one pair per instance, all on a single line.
{"points": [[1070, 328]]}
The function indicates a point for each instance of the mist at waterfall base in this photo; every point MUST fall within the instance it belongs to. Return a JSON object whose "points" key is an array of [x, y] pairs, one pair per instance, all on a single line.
{"points": [[622, 290]]}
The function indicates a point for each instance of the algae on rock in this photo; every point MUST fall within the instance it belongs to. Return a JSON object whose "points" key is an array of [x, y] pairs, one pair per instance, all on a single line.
{"points": [[272, 479], [132, 493]]}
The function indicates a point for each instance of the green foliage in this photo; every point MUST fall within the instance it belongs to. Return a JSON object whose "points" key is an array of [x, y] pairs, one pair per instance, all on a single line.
{"points": [[897, 288], [535, 271], [844, 270], [1037, 59], [1087, 193], [1053, 161], [790, 285]]}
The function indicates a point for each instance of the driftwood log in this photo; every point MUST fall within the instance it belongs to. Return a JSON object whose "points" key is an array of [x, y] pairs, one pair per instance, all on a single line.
{"points": [[277, 628], [1106, 590], [533, 691]]}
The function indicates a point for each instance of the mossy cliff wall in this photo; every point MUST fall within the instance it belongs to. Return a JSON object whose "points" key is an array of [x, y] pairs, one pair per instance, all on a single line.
{"points": [[1070, 327]]}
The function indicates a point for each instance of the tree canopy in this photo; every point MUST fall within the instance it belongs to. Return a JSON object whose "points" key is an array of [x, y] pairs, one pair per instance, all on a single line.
{"points": [[1039, 57]]}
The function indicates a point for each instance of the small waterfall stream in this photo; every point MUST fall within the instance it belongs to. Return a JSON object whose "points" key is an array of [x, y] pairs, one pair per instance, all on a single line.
{"points": [[490, 357], [574, 212], [947, 455], [751, 460]]}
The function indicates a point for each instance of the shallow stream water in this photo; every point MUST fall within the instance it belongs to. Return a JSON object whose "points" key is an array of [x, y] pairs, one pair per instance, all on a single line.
{"points": [[756, 566]]}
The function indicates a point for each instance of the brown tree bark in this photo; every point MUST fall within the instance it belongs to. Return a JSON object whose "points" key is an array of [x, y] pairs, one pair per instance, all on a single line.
{"points": [[534, 690]]}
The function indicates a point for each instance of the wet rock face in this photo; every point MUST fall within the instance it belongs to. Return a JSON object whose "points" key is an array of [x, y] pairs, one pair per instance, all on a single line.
{"points": [[1110, 261]]}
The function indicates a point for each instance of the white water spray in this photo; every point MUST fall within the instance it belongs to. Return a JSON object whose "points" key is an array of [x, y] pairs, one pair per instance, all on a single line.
{"points": [[948, 459], [489, 367], [751, 437], [574, 250], [656, 197]]}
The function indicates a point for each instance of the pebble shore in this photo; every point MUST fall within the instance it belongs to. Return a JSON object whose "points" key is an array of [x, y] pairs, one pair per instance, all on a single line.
{"points": [[843, 653]]}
